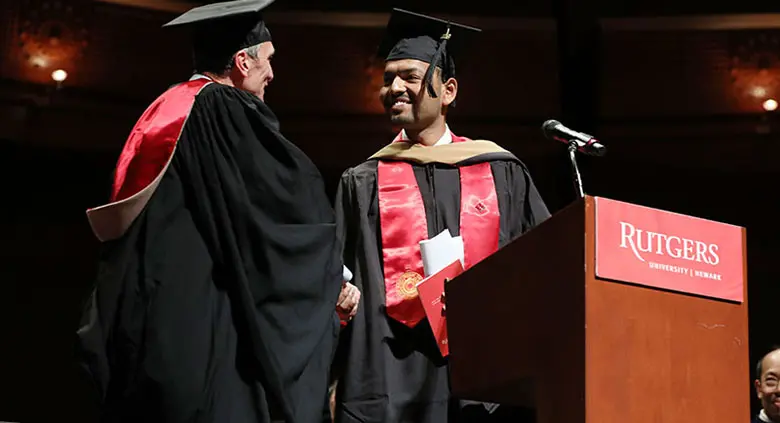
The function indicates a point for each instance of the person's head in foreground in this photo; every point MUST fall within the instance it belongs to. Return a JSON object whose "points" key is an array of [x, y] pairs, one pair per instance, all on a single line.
{"points": [[767, 386]]}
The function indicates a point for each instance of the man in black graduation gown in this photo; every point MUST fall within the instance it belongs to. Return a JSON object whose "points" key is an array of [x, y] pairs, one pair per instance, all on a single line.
{"points": [[427, 180], [767, 386], [219, 276]]}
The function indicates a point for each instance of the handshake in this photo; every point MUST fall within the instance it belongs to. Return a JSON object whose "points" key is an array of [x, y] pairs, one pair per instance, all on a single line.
{"points": [[349, 298]]}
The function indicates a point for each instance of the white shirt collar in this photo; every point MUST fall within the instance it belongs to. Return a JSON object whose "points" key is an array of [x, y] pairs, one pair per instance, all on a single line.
{"points": [[763, 417], [446, 138], [198, 76]]}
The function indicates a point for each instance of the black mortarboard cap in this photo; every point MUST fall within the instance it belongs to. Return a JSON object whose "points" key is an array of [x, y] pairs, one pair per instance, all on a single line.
{"points": [[435, 41], [224, 28]]}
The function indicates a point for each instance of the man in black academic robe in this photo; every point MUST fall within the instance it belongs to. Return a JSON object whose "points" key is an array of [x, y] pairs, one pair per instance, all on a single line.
{"points": [[388, 365], [220, 272]]}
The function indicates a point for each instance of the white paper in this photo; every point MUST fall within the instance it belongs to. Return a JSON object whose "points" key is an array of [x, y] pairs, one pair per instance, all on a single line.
{"points": [[440, 251], [346, 274]]}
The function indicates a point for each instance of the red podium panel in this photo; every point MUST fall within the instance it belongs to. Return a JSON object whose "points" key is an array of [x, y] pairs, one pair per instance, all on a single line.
{"points": [[667, 250]]}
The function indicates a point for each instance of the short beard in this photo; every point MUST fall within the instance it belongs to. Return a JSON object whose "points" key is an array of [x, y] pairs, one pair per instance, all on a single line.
{"points": [[401, 120]]}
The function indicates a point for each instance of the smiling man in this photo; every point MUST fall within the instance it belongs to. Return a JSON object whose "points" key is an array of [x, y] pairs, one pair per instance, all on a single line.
{"points": [[767, 385], [427, 180]]}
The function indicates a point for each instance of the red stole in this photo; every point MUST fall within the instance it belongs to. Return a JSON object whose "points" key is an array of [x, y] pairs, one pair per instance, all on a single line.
{"points": [[403, 226]]}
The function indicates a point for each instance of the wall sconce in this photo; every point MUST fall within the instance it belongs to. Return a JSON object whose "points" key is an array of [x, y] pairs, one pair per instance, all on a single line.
{"points": [[755, 68], [59, 76], [52, 34]]}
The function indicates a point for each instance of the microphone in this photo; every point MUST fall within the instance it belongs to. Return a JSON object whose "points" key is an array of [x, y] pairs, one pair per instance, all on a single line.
{"points": [[586, 144]]}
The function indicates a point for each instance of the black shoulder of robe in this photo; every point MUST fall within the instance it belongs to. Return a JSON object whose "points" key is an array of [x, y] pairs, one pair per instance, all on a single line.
{"points": [[218, 305]]}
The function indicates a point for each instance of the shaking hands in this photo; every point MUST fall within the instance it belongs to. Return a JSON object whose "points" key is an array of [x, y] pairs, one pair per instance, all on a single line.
{"points": [[347, 304]]}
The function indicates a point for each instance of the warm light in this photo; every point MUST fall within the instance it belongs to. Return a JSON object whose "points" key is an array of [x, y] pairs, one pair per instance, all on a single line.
{"points": [[770, 105], [758, 92], [59, 75], [39, 61]]}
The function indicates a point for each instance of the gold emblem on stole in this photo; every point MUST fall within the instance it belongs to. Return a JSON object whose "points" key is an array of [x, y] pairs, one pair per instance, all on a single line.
{"points": [[407, 284]]}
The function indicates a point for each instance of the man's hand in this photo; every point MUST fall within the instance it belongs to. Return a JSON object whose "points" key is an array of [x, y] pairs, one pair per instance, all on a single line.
{"points": [[347, 305]]}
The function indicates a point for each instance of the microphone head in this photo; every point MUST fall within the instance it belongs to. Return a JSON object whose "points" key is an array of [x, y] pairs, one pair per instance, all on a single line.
{"points": [[548, 127], [597, 149]]}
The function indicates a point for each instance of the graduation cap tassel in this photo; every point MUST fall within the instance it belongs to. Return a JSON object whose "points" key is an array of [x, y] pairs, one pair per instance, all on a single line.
{"points": [[435, 62]]}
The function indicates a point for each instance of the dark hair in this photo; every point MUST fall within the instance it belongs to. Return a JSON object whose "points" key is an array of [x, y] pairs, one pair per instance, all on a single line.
{"points": [[448, 71], [216, 61], [760, 364]]}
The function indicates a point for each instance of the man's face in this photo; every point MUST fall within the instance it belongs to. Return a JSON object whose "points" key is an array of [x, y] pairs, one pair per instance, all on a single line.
{"points": [[768, 388], [405, 97], [255, 73]]}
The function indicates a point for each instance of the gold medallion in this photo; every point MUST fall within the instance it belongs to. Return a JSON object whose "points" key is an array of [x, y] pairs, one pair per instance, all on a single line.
{"points": [[407, 284]]}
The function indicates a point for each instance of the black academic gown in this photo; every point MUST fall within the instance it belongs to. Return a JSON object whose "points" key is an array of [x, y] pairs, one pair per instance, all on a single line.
{"points": [[388, 372], [218, 304], [756, 419]]}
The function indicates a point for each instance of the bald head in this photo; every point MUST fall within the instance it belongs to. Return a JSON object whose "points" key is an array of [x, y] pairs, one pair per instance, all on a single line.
{"points": [[768, 356]]}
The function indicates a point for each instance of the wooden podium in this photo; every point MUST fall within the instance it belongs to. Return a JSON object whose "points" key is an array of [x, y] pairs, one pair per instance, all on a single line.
{"points": [[533, 325]]}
